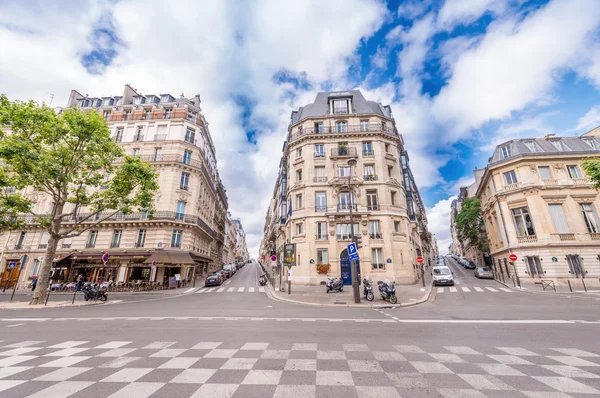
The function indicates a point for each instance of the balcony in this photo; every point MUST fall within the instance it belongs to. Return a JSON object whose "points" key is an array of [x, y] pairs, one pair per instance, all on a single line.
{"points": [[346, 206], [343, 152], [372, 207], [160, 137], [184, 187], [139, 244], [527, 239], [90, 245], [321, 209], [19, 246], [595, 236], [321, 237], [340, 111], [550, 182], [368, 153], [376, 236], [319, 154], [319, 179], [176, 246], [114, 245], [371, 177], [66, 245], [512, 187], [43, 246], [343, 237], [580, 181], [139, 137], [566, 237], [371, 128]]}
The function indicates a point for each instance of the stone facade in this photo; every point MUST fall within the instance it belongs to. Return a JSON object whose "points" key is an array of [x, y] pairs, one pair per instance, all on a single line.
{"points": [[311, 201]]}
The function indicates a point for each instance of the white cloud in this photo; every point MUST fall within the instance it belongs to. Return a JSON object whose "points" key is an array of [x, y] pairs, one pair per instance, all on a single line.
{"points": [[590, 120], [412, 9], [533, 127], [462, 12], [438, 218]]}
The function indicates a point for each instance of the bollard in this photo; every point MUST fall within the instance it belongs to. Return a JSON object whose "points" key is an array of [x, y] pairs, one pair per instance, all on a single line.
{"points": [[570, 288], [74, 293], [584, 288]]}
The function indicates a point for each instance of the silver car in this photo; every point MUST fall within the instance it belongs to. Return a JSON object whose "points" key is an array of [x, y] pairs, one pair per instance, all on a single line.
{"points": [[484, 273]]}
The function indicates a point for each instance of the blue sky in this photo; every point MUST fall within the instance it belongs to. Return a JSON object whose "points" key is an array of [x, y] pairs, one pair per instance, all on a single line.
{"points": [[461, 76]]}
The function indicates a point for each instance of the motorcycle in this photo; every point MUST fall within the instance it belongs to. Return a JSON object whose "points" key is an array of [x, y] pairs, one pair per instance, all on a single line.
{"points": [[334, 284], [387, 290], [368, 290], [93, 292], [262, 280]]}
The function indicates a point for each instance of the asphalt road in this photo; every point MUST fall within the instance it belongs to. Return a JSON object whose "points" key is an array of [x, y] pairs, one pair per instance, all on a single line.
{"points": [[243, 344]]}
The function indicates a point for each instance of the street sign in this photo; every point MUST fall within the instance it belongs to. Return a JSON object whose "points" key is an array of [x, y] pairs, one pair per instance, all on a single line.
{"points": [[105, 257], [352, 251], [12, 264], [513, 257], [154, 263], [289, 254], [420, 259], [273, 258]]}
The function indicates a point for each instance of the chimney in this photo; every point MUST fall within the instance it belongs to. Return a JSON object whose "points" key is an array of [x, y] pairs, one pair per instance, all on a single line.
{"points": [[549, 136]]}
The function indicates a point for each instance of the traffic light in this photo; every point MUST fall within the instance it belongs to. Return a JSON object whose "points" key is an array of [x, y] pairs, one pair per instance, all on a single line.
{"points": [[358, 241]]}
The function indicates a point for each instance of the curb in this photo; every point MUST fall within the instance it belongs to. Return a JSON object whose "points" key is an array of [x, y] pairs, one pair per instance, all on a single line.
{"points": [[274, 296], [556, 294]]}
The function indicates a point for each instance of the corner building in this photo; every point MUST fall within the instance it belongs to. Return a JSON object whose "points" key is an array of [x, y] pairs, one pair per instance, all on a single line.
{"points": [[317, 188]]}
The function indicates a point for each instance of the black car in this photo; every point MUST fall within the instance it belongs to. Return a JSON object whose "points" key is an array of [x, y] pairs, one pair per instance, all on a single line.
{"points": [[470, 265], [213, 280]]}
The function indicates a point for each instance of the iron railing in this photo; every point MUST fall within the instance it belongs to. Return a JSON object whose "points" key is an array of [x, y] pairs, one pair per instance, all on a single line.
{"points": [[342, 129], [371, 177], [321, 208], [346, 206], [319, 179], [343, 151], [368, 153]]}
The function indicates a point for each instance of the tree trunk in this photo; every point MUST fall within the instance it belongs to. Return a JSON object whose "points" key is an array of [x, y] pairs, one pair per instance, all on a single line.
{"points": [[41, 289]]}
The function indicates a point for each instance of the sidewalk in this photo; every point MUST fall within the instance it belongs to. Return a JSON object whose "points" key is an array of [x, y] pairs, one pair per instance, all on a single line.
{"points": [[577, 289], [408, 295], [29, 293]]}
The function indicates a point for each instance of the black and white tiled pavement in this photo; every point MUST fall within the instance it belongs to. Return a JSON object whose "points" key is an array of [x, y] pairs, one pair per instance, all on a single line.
{"points": [[39, 369]]}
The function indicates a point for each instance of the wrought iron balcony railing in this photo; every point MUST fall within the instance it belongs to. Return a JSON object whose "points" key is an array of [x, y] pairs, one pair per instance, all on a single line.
{"points": [[343, 152]]}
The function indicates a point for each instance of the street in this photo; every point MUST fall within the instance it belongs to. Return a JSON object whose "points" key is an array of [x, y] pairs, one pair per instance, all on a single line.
{"points": [[241, 343]]}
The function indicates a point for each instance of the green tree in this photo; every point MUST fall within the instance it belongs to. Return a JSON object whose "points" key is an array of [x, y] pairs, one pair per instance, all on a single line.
{"points": [[72, 159], [470, 226], [591, 167]]}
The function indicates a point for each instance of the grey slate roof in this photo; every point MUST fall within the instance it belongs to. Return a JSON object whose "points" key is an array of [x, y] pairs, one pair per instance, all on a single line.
{"points": [[545, 147], [360, 106]]}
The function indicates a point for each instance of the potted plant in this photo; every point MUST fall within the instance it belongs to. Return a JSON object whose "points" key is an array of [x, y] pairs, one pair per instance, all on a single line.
{"points": [[323, 268]]}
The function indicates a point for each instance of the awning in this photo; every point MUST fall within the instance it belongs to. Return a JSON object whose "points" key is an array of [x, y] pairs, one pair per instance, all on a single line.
{"points": [[60, 257], [165, 257]]}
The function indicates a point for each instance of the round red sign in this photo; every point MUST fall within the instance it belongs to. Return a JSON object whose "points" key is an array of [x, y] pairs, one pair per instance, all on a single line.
{"points": [[273, 258], [513, 257], [420, 259]]}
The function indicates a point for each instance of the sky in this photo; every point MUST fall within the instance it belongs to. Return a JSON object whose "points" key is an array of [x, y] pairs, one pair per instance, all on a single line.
{"points": [[461, 76]]}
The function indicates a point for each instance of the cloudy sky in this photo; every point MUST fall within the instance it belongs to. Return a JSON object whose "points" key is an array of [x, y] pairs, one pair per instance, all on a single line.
{"points": [[461, 75]]}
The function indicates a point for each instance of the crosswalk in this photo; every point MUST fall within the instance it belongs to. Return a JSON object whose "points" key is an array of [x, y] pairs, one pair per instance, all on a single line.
{"points": [[250, 289], [474, 289]]}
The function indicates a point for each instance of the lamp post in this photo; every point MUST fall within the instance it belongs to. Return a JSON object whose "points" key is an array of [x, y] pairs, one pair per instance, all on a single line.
{"points": [[353, 270]]}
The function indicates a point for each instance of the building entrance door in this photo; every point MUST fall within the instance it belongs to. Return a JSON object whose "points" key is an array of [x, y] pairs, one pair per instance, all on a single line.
{"points": [[345, 270]]}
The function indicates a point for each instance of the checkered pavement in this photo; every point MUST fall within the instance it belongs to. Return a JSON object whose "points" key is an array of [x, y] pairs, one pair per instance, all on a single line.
{"points": [[225, 289], [39, 369]]}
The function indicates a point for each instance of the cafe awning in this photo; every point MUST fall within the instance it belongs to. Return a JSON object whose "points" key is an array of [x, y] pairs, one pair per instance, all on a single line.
{"points": [[170, 258]]}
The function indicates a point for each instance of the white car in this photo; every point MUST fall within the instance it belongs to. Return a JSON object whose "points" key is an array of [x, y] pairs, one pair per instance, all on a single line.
{"points": [[442, 276]]}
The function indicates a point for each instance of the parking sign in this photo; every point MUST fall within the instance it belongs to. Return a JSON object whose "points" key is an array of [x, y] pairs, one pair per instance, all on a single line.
{"points": [[352, 251]]}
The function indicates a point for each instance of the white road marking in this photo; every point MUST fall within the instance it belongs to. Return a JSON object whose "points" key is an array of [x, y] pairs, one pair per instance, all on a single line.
{"points": [[231, 289], [68, 344], [220, 290], [190, 290], [452, 289], [241, 289], [210, 290], [478, 289], [114, 344], [440, 290], [261, 289], [504, 289], [465, 289], [422, 289], [251, 289], [63, 389], [16, 324], [491, 289], [159, 345], [457, 281]]}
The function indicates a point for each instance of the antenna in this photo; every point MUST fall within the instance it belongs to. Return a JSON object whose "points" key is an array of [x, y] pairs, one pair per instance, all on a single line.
{"points": [[51, 99]]}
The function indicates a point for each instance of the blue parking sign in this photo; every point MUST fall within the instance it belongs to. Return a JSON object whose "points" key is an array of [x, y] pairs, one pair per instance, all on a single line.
{"points": [[12, 265], [352, 251]]}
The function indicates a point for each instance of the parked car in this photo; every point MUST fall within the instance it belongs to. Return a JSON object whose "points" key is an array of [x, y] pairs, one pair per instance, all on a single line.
{"points": [[442, 276], [484, 273], [230, 268], [463, 261], [221, 273], [441, 262], [226, 272], [470, 265], [215, 279]]}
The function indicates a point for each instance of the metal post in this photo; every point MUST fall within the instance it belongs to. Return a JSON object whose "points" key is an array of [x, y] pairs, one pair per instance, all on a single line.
{"points": [[353, 270], [15, 287], [74, 293], [289, 280], [423, 274], [516, 275], [48, 292], [570, 288], [194, 277], [583, 282]]}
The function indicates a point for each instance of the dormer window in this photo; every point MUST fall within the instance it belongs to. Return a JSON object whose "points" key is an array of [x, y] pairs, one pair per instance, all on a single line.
{"points": [[147, 114], [126, 115], [559, 146], [340, 107], [108, 101], [591, 142], [531, 146], [191, 116], [139, 100], [106, 115], [506, 152], [167, 113]]}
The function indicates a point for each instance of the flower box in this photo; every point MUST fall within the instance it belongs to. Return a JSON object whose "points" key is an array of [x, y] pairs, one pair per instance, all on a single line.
{"points": [[323, 268]]}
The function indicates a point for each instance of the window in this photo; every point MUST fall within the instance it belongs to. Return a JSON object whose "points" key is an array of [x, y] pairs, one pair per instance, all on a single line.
{"points": [[190, 136], [184, 182], [176, 239], [322, 256], [559, 145], [299, 175], [167, 113], [523, 222], [97, 216], [590, 217], [383, 127], [36, 267], [141, 238], [298, 153], [44, 240], [387, 148], [575, 266], [139, 134], [545, 172], [321, 230], [147, 114], [341, 127], [191, 116], [591, 142], [372, 202], [534, 266], [390, 170], [180, 211], [396, 226], [157, 153], [558, 217], [531, 146], [510, 177], [369, 172], [319, 151], [375, 230], [343, 171], [106, 115], [367, 148], [126, 115], [343, 231], [320, 201], [299, 228], [364, 125], [187, 157], [320, 174], [136, 152], [319, 128], [116, 239], [92, 239], [345, 200], [377, 258], [119, 134], [506, 151], [393, 195], [299, 203], [574, 171], [340, 107]]}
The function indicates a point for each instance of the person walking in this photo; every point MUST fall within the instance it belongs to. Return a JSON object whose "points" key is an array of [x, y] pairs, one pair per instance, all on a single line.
{"points": [[79, 282], [34, 284]]}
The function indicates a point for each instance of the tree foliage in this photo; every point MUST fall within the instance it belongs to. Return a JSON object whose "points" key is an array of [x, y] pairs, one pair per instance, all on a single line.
{"points": [[470, 224], [72, 159], [591, 167]]}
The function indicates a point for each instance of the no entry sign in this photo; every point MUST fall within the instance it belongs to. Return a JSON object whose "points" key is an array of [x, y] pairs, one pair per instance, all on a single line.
{"points": [[420, 259], [513, 257]]}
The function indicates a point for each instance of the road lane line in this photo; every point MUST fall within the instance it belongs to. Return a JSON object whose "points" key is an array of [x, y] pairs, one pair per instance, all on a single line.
{"points": [[241, 289], [251, 289], [465, 289], [261, 289], [220, 290], [231, 289], [190, 290], [491, 289], [440, 290], [507, 290], [453, 289], [16, 324], [478, 289]]}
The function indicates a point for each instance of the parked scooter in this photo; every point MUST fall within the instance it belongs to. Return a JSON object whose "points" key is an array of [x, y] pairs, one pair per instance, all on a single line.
{"points": [[368, 289], [334, 284], [262, 280], [93, 292], [387, 291]]}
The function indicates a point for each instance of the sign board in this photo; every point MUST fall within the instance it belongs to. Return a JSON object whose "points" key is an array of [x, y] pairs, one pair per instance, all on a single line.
{"points": [[289, 274], [513, 257], [172, 283], [289, 254], [273, 253], [105, 257], [420, 259], [274, 258], [12, 264], [154, 263], [177, 277], [352, 251]]}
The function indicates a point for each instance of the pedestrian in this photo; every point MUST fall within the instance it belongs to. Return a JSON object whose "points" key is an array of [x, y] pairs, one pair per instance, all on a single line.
{"points": [[79, 282], [34, 284]]}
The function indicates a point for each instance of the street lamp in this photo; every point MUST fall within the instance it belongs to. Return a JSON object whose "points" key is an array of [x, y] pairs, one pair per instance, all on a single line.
{"points": [[353, 270]]}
